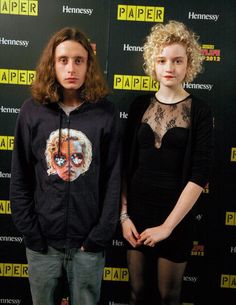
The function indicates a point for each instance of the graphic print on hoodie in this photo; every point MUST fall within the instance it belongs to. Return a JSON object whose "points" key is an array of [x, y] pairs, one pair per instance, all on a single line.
{"points": [[68, 153]]}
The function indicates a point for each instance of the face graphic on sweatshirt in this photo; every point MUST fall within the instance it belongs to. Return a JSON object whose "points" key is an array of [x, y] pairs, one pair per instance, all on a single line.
{"points": [[74, 156], [69, 162]]}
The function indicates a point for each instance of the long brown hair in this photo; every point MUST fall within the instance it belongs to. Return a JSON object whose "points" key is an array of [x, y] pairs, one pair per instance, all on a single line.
{"points": [[46, 88]]}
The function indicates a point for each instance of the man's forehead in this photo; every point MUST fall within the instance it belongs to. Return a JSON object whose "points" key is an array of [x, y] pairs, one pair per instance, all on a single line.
{"points": [[70, 48]]}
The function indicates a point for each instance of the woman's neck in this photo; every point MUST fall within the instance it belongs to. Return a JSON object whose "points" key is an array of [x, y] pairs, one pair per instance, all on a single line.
{"points": [[170, 95]]}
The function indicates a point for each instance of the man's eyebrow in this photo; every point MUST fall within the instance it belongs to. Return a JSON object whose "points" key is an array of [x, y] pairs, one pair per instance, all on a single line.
{"points": [[65, 56]]}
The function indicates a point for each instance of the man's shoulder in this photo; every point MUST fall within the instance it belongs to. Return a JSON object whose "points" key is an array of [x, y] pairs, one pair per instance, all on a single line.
{"points": [[33, 105], [29, 103], [31, 109]]}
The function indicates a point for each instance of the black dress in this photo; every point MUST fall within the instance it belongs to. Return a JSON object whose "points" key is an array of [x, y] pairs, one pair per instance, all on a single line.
{"points": [[157, 181]]}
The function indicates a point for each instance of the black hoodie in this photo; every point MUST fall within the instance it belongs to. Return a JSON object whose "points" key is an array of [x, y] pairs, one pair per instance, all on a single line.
{"points": [[65, 178]]}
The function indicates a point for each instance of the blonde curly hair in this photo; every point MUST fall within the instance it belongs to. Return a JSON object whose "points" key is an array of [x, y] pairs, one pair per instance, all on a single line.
{"points": [[162, 35]]}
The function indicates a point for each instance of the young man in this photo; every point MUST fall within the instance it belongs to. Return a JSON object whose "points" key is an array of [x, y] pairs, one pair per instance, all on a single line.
{"points": [[65, 171]]}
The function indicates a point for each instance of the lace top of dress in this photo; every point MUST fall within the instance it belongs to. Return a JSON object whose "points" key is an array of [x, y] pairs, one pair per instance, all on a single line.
{"points": [[162, 117], [162, 140]]}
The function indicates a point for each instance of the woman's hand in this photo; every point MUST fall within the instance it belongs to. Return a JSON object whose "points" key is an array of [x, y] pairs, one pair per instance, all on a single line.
{"points": [[130, 233], [151, 236], [187, 199]]}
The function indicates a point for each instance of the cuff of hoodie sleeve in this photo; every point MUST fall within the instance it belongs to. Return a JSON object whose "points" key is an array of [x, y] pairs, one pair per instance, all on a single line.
{"points": [[38, 245], [90, 246]]}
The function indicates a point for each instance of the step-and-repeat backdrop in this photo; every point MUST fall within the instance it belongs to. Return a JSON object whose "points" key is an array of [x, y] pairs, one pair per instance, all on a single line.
{"points": [[117, 30]]}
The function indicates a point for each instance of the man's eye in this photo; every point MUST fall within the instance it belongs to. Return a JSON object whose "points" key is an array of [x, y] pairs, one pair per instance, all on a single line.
{"points": [[78, 61], [60, 160], [63, 60], [77, 158]]}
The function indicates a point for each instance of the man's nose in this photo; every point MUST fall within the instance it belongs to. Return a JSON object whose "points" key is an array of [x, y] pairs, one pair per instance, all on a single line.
{"points": [[71, 66]]}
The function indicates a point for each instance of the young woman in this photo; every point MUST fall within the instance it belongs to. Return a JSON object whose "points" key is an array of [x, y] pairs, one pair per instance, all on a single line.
{"points": [[166, 166]]}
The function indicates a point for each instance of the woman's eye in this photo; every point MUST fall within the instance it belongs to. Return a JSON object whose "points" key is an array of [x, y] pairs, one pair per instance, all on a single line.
{"points": [[60, 160]]}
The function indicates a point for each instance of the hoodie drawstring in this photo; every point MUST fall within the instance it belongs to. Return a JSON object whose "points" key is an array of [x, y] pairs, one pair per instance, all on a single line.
{"points": [[59, 137]]}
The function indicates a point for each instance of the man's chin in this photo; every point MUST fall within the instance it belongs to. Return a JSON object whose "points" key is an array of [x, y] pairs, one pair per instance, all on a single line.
{"points": [[69, 177]]}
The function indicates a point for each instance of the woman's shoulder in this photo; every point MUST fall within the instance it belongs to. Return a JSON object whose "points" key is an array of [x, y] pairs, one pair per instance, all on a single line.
{"points": [[142, 99], [140, 103], [199, 102], [200, 105]]}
